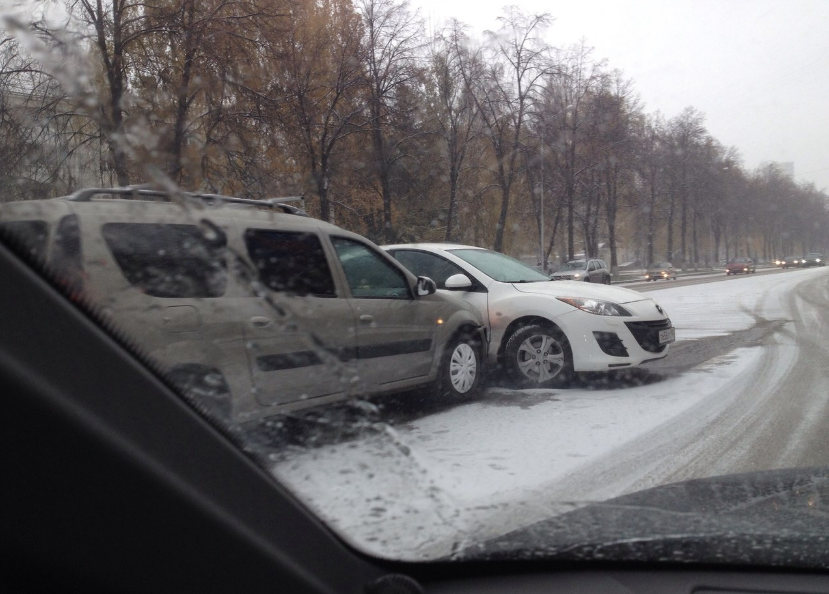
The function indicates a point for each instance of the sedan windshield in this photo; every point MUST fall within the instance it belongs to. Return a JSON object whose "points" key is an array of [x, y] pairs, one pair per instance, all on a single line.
{"points": [[500, 267]]}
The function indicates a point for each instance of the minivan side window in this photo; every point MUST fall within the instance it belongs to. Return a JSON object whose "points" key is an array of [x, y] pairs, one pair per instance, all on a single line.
{"points": [[368, 274], [168, 260], [290, 261]]}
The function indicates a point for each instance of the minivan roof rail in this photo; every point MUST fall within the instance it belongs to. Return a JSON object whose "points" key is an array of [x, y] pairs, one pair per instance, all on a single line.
{"points": [[146, 191]]}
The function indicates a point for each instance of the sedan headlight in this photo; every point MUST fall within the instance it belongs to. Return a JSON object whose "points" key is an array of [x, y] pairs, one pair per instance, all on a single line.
{"points": [[596, 306]]}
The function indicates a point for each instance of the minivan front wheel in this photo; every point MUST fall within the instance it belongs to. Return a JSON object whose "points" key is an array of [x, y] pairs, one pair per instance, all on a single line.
{"points": [[537, 356], [460, 373]]}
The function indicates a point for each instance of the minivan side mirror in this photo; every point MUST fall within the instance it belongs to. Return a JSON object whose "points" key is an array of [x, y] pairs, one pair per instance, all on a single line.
{"points": [[458, 282], [425, 286]]}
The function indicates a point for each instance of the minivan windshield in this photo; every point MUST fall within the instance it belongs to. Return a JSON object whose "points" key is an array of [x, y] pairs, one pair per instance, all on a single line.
{"points": [[574, 265], [209, 182]]}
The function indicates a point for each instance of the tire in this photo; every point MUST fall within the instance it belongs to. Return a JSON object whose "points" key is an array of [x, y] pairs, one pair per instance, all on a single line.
{"points": [[461, 370], [521, 354], [607, 280]]}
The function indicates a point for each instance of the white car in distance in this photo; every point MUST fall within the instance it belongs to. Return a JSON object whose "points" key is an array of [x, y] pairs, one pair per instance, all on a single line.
{"points": [[541, 331]]}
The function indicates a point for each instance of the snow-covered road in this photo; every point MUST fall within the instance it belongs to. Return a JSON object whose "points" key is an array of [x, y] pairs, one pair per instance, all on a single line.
{"points": [[423, 488]]}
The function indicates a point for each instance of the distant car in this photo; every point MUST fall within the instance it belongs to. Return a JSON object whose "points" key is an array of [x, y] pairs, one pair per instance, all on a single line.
{"points": [[740, 266], [790, 262], [541, 331], [660, 270], [591, 270], [813, 259]]}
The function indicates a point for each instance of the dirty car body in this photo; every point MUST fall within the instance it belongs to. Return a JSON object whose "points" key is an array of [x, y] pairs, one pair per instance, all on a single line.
{"points": [[251, 309]]}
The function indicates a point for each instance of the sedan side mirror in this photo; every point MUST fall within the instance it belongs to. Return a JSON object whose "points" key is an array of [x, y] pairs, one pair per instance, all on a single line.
{"points": [[458, 282], [425, 286]]}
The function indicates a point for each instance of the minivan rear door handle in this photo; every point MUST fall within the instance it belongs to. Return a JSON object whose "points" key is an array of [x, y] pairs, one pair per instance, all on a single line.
{"points": [[366, 318]]}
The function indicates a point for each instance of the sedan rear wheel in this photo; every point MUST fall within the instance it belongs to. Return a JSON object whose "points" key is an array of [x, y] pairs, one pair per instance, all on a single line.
{"points": [[538, 356]]}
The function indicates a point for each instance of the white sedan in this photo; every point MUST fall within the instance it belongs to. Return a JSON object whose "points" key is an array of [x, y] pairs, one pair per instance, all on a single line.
{"points": [[540, 331]]}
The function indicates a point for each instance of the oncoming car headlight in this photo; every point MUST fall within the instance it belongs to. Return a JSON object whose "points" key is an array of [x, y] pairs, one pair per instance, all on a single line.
{"points": [[596, 306]]}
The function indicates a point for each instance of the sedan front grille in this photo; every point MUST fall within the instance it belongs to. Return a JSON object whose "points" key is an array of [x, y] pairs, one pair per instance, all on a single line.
{"points": [[647, 334]]}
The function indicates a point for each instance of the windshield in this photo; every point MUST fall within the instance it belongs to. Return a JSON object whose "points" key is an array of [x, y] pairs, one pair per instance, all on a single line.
{"points": [[574, 265], [500, 267], [209, 182]]}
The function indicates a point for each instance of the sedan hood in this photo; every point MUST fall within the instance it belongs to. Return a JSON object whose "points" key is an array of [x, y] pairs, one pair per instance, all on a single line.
{"points": [[581, 289], [771, 518]]}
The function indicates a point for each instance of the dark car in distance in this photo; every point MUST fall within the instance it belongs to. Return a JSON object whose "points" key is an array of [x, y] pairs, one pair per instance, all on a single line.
{"points": [[739, 266], [791, 262], [813, 259]]}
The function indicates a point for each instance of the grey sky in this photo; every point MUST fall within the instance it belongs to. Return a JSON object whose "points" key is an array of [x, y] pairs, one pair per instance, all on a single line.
{"points": [[758, 69]]}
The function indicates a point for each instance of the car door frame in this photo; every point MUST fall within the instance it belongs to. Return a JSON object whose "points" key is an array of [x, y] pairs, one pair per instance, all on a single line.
{"points": [[477, 295], [323, 370], [377, 319], [594, 272]]}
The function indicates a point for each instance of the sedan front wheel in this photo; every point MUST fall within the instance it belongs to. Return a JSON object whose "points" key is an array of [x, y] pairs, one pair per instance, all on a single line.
{"points": [[537, 356]]}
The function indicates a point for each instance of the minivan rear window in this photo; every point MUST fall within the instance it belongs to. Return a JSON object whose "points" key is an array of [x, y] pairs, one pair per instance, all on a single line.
{"points": [[168, 260], [290, 261]]}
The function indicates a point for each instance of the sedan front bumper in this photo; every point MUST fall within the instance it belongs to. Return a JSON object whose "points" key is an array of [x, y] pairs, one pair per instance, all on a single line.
{"points": [[602, 343]]}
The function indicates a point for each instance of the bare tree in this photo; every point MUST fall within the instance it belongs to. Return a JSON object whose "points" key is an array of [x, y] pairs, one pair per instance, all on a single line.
{"points": [[392, 39], [650, 152], [503, 78], [116, 27], [567, 91], [312, 76], [39, 134], [453, 112], [190, 48], [686, 135]]}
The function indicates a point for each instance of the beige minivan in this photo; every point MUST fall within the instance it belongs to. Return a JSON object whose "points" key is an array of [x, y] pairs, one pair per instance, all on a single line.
{"points": [[251, 307]]}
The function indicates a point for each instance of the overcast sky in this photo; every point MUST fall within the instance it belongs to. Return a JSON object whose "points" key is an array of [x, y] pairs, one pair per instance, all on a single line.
{"points": [[757, 69]]}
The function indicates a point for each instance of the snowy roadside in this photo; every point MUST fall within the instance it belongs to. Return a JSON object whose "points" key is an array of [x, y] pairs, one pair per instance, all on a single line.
{"points": [[718, 308], [429, 482], [421, 489]]}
